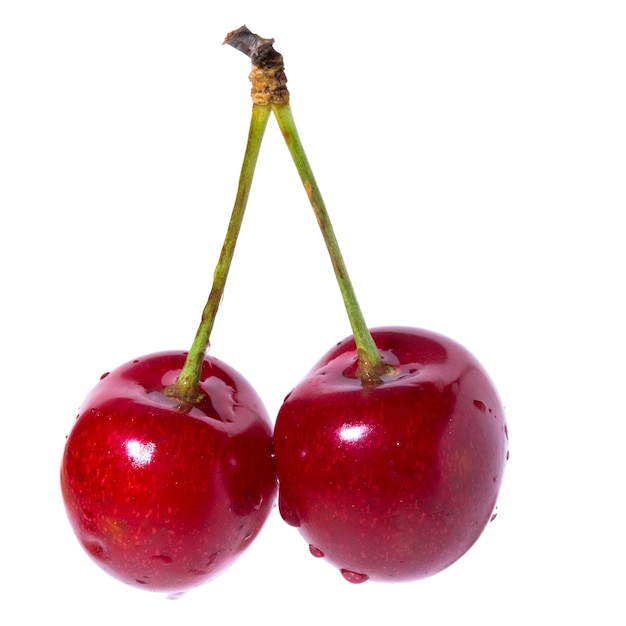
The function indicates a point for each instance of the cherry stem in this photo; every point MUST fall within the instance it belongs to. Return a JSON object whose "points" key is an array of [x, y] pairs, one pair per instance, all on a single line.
{"points": [[370, 363], [187, 386], [269, 89]]}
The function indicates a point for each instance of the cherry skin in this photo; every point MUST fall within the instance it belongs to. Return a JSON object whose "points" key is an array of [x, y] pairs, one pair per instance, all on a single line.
{"points": [[164, 496], [392, 481]]}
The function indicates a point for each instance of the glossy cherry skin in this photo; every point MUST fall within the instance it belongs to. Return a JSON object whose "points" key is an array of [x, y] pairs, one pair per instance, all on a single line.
{"points": [[392, 481], [164, 497]]}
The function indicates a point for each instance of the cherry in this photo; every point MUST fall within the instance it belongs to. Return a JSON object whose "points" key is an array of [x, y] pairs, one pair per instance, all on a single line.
{"points": [[165, 495], [390, 453], [167, 475], [395, 480]]}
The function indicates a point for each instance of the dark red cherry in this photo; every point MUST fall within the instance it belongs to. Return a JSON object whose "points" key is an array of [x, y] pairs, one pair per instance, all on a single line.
{"points": [[392, 481], [161, 495]]}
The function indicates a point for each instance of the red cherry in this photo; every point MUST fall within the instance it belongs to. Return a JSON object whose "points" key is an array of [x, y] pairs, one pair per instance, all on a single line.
{"points": [[392, 481], [164, 496]]}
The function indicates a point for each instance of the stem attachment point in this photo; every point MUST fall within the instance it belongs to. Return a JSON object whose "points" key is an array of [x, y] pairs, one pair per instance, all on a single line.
{"points": [[269, 82]]}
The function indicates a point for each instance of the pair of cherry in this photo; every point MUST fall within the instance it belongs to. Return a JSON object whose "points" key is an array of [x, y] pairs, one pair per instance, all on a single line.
{"points": [[388, 456]]}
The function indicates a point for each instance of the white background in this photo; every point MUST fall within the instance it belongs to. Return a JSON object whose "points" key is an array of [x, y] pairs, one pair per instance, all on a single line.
{"points": [[472, 156]]}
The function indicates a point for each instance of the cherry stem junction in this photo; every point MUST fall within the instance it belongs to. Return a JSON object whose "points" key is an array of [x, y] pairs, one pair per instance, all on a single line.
{"points": [[187, 387], [269, 91]]}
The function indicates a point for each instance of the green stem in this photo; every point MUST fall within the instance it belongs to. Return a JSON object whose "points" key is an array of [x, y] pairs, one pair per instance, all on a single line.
{"points": [[269, 88], [187, 387], [371, 366]]}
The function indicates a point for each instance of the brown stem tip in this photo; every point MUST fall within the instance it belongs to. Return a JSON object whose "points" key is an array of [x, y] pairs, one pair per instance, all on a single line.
{"points": [[269, 82]]}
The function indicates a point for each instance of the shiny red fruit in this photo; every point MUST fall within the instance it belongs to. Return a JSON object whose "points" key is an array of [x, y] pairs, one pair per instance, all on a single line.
{"points": [[393, 481], [164, 497]]}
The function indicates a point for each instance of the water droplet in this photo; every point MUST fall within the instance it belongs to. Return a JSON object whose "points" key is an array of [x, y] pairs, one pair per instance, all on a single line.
{"points": [[175, 595], [315, 551], [203, 571], [164, 558], [221, 397], [480, 405], [170, 377], [104, 375], [96, 549], [354, 577]]}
